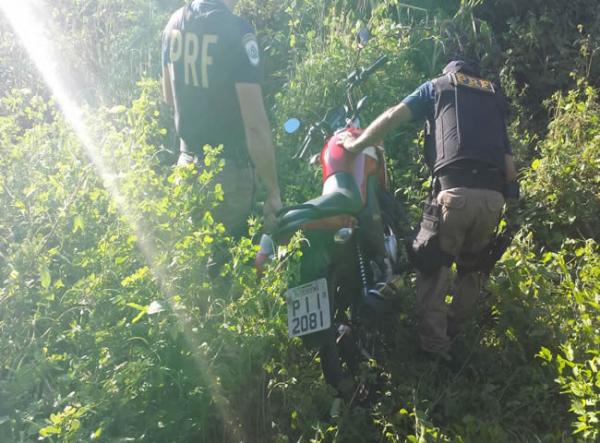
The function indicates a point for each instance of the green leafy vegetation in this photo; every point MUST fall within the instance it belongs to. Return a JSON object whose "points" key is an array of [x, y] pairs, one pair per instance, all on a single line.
{"points": [[110, 327]]}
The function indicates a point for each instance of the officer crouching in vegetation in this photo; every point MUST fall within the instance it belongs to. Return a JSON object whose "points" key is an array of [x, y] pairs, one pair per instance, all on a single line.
{"points": [[471, 162], [212, 75]]}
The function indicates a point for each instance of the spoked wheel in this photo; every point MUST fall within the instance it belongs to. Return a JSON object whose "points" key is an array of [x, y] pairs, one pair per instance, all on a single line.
{"points": [[368, 373], [357, 343]]}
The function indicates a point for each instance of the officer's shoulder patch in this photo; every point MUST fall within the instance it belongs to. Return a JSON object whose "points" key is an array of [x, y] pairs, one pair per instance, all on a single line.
{"points": [[461, 79], [251, 47]]}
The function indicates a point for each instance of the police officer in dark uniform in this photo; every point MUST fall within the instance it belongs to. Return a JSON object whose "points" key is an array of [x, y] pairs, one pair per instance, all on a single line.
{"points": [[212, 75], [468, 153]]}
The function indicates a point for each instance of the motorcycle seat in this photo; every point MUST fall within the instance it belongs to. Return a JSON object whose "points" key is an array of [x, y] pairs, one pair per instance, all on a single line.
{"points": [[342, 197]]}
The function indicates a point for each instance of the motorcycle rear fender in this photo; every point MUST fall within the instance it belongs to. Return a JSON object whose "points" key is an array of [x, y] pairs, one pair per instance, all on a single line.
{"points": [[320, 257], [316, 260], [320, 254], [317, 254]]}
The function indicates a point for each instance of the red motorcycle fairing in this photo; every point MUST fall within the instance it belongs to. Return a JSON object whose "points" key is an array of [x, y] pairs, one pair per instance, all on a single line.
{"points": [[335, 158]]}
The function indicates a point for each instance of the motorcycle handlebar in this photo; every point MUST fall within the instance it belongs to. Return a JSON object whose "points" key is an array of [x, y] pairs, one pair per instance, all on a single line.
{"points": [[360, 75], [380, 61], [354, 79]]}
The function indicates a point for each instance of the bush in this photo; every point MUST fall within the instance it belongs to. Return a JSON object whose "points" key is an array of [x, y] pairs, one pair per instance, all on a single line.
{"points": [[111, 327], [562, 185]]}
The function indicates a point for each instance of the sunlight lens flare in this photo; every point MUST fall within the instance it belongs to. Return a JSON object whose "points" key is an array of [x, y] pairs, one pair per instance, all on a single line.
{"points": [[28, 20], [31, 22]]}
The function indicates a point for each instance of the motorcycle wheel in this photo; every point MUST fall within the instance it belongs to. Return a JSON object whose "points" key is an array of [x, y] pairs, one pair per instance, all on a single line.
{"points": [[357, 343]]}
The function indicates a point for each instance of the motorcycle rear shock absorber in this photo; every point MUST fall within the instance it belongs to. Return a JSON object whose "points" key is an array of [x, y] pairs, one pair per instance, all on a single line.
{"points": [[362, 271], [359, 341]]}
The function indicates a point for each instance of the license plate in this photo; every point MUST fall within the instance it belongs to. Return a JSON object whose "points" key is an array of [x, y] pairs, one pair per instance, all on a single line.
{"points": [[308, 308]]}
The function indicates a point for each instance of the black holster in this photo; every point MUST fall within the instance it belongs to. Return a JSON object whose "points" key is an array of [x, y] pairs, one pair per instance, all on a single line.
{"points": [[485, 260], [424, 250]]}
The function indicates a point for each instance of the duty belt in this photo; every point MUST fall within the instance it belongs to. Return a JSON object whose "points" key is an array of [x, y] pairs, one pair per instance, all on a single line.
{"points": [[477, 177]]}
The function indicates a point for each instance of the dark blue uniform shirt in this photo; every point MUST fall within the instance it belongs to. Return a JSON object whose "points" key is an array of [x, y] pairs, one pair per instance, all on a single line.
{"points": [[421, 102], [208, 50]]}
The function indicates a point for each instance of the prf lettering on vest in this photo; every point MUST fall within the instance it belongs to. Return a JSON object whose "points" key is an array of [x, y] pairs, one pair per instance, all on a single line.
{"points": [[187, 45]]}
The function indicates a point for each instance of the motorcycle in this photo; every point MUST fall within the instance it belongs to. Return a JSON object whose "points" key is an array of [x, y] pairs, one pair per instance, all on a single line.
{"points": [[351, 250]]}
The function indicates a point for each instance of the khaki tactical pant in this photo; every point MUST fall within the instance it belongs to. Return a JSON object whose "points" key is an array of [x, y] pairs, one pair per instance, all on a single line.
{"points": [[469, 217], [238, 194]]}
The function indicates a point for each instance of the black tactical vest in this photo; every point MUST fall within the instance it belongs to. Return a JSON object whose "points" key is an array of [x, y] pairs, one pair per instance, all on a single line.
{"points": [[468, 123]]}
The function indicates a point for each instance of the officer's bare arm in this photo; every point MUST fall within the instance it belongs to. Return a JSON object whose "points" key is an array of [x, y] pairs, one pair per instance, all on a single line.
{"points": [[388, 120], [166, 85], [260, 141]]}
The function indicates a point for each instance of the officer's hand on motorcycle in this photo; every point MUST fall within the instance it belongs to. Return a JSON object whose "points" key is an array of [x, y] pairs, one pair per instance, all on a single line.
{"points": [[272, 205], [347, 140]]}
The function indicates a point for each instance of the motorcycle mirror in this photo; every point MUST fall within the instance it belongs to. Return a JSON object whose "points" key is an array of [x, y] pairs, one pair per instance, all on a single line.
{"points": [[363, 36], [291, 125]]}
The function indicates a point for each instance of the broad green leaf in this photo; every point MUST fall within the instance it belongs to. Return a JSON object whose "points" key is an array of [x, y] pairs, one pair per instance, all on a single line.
{"points": [[143, 311], [78, 224], [96, 434], [45, 278], [139, 316], [75, 425], [49, 431], [545, 354], [136, 306]]}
